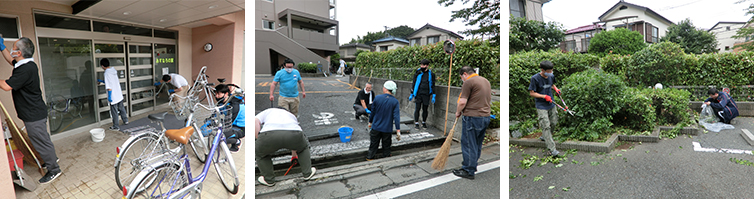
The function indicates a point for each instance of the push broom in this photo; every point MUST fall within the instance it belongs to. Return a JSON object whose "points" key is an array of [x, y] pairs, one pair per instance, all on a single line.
{"points": [[442, 156]]}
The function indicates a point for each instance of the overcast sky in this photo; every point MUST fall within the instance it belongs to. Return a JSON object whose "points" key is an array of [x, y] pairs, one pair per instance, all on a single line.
{"points": [[703, 13], [357, 17]]}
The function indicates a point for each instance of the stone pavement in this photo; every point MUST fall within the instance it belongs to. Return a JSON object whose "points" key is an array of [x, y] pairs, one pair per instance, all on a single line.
{"points": [[88, 170], [369, 177]]}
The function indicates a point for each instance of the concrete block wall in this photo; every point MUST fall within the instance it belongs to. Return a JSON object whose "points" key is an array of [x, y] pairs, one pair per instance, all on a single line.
{"points": [[745, 109]]}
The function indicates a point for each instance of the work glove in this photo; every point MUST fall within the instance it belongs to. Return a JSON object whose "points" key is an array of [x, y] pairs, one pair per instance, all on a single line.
{"points": [[294, 160], [101, 81], [157, 84], [110, 96], [398, 135], [433, 98], [557, 91], [704, 105], [171, 91], [493, 116], [548, 98], [2, 44], [411, 97], [368, 111]]}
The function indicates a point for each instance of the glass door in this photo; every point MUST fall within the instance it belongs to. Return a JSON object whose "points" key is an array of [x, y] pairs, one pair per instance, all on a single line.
{"points": [[116, 54], [165, 63], [141, 78]]}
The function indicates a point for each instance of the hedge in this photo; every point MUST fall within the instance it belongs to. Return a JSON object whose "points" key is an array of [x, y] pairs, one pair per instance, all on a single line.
{"points": [[307, 67], [398, 64]]}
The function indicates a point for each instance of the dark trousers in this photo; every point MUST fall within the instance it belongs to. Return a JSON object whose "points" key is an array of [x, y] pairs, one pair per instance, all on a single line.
{"points": [[360, 110], [374, 141], [233, 134], [118, 109], [422, 101], [39, 137], [472, 137], [270, 141]]}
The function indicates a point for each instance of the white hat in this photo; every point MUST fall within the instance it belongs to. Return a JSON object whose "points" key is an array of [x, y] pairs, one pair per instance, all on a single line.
{"points": [[390, 85]]}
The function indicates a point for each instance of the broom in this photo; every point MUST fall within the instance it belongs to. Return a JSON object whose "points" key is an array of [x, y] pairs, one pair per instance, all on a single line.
{"points": [[442, 156]]}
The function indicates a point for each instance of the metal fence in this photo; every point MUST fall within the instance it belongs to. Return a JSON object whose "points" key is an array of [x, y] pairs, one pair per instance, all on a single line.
{"points": [[738, 93]]}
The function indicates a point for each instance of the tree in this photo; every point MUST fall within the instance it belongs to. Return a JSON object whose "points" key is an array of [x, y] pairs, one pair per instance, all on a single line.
{"points": [[401, 31], [692, 39], [484, 13], [334, 60], [619, 41], [747, 31], [527, 35]]}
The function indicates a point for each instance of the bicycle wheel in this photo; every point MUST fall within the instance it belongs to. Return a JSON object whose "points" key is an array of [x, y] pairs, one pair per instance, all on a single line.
{"points": [[226, 168], [136, 156], [56, 119], [198, 144], [160, 181]]}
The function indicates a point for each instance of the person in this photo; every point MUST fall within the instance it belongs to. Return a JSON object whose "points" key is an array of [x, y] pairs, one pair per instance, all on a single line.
{"points": [[475, 106], [540, 87], [342, 68], [289, 80], [233, 135], [27, 99], [180, 84], [422, 92], [364, 101], [114, 94], [386, 113], [274, 129], [86, 82], [725, 107]]}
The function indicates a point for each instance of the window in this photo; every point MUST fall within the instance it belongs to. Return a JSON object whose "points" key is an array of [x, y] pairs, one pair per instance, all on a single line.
{"points": [[269, 25], [571, 45], [517, 8], [121, 29], [383, 48], [432, 40], [655, 34], [50, 21], [9, 27], [414, 42], [165, 34], [586, 44]]}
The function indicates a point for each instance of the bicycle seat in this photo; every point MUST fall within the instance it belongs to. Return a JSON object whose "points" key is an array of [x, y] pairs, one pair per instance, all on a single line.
{"points": [[210, 84], [180, 135], [157, 116]]}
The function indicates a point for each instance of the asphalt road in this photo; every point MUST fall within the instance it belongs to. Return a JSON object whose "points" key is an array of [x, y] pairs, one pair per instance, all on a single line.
{"points": [[485, 185]]}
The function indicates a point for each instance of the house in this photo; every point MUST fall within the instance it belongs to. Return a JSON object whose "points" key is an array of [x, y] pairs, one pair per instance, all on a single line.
{"points": [[304, 31], [647, 22], [577, 39], [348, 51], [429, 34], [529, 9], [388, 43], [724, 32]]}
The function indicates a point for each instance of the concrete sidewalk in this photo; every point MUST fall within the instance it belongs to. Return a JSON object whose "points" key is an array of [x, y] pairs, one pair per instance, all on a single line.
{"points": [[369, 177], [88, 170]]}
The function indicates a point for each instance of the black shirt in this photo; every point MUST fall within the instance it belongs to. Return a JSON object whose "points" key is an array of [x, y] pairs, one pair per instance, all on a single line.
{"points": [[27, 95], [424, 82], [364, 96]]}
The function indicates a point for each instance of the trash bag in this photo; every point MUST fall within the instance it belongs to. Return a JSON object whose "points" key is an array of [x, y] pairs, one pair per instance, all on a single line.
{"points": [[711, 122]]}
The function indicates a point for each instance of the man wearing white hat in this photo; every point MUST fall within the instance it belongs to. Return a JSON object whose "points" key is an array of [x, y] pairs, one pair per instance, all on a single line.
{"points": [[385, 113]]}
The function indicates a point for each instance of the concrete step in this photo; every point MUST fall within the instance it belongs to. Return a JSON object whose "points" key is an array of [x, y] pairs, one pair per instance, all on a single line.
{"points": [[747, 136]]}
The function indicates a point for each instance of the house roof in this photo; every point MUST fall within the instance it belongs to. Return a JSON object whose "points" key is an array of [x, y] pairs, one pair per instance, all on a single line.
{"points": [[584, 28], [725, 22], [355, 45], [387, 39], [427, 26], [642, 8]]}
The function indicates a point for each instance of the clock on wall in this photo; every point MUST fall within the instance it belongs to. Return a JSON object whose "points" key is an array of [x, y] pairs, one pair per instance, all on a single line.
{"points": [[207, 47]]}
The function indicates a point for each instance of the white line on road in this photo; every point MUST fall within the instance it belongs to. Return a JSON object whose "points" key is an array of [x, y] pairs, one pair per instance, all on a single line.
{"points": [[698, 147], [400, 191]]}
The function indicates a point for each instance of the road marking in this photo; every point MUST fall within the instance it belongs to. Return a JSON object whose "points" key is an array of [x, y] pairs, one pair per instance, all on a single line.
{"points": [[401, 191], [698, 147], [264, 84], [325, 118], [349, 85]]}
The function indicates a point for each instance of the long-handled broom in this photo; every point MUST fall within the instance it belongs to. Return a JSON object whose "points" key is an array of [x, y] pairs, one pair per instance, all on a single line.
{"points": [[442, 156]]}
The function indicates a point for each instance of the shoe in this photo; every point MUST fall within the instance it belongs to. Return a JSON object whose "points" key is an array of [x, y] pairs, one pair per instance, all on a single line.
{"points": [[261, 181], [49, 177], [369, 159], [417, 127], [235, 147], [541, 138], [125, 123], [463, 173], [555, 153], [424, 125], [114, 128], [311, 175]]}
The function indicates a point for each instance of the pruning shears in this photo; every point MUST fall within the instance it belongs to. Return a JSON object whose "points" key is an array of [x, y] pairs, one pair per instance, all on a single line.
{"points": [[564, 104], [294, 161]]}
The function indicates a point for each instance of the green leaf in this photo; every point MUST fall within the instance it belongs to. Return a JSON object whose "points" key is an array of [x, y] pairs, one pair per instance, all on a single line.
{"points": [[566, 188], [538, 178], [551, 187], [559, 165]]}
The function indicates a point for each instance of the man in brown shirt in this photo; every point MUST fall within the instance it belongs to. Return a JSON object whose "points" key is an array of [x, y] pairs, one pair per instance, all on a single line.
{"points": [[474, 105]]}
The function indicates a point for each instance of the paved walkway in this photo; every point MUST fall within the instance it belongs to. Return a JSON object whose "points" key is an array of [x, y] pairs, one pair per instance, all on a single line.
{"points": [[88, 170]]}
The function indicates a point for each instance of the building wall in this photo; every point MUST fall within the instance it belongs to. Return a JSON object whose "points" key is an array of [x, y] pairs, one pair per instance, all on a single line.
{"points": [[642, 16], [723, 36], [428, 32], [533, 10], [219, 61], [319, 8], [391, 45]]}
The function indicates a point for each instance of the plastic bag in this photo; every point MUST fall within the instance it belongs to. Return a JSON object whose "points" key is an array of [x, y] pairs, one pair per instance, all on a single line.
{"points": [[711, 122]]}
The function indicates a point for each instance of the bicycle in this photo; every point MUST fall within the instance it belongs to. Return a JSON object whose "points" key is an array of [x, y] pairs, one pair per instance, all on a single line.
{"points": [[172, 177], [198, 92], [58, 106]]}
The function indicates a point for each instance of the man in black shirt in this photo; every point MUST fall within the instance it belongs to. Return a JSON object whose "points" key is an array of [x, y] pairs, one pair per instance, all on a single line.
{"points": [[422, 91], [27, 99], [364, 100]]}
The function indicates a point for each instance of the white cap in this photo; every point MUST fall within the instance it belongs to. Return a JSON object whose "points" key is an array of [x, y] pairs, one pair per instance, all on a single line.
{"points": [[390, 85]]}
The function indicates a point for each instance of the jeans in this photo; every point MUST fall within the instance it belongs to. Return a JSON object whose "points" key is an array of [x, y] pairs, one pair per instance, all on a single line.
{"points": [[472, 136], [374, 141], [118, 109]]}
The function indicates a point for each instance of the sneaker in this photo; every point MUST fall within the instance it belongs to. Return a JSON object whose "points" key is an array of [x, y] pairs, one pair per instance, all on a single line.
{"points": [[125, 123], [555, 153], [49, 177], [417, 127], [114, 128], [261, 181], [424, 125], [311, 175], [463, 173], [235, 147], [369, 159], [541, 138]]}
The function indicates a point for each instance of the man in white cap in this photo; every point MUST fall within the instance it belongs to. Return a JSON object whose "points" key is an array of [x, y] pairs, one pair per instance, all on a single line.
{"points": [[385, 113]]}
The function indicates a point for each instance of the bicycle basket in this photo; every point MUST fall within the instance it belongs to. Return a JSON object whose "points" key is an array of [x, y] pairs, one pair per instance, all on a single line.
{"points": [[212, 119], [181, 110]]}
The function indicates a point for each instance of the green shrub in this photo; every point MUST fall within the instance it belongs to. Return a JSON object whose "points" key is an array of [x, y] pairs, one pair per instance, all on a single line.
{"points": [[618, 41], [495, 123], [636, 113], [671, 106], [307, 67], [595, 96], [661, 62]]}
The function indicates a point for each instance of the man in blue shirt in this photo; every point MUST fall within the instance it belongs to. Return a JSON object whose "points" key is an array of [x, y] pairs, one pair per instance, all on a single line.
{"points": [[540, 88], [724, 107], [289, 80], [385, 113]]}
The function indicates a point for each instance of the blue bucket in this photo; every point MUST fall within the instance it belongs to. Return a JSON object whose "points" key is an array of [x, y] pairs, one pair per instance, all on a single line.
{"points": [[345, 133]]}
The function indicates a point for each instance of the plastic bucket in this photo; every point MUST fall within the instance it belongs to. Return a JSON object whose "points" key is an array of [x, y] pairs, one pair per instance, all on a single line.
{"points": [[98, 134], [345, 133]]}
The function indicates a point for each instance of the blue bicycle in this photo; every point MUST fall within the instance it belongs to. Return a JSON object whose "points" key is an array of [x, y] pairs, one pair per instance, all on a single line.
{"points": [[172, 178]]}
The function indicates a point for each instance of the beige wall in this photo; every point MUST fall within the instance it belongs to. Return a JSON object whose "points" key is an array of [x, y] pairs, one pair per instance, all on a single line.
{"points": [[225, 59], [184, 52], [431, 33], [391, 45]]}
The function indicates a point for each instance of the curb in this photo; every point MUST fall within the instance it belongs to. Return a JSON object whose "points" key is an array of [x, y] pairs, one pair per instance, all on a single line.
{"points": [[606, 146]]}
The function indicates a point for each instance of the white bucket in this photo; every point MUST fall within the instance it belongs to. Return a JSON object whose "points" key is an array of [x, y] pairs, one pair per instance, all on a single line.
{"points": [[98, 134]]}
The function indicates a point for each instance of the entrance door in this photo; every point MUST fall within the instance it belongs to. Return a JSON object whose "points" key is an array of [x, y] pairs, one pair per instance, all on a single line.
{"points": [[115, 52], [141, 78]]}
